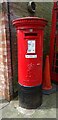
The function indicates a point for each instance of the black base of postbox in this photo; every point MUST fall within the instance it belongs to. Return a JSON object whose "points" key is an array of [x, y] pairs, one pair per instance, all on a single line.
{"points": [[30, 97]]}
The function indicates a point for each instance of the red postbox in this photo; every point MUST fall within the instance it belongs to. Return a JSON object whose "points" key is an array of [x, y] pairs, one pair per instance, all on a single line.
{"points": [[30, 31]]}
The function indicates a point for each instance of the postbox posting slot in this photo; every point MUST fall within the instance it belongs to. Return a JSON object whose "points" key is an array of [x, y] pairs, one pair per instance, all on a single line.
{"points": [[30, 34]]}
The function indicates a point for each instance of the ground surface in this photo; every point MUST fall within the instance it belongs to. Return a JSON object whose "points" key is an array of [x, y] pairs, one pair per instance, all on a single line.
{"points": [[13, 110]]}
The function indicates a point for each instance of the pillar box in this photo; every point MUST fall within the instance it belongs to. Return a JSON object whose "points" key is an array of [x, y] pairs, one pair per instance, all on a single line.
{"points": [[30, 32]]}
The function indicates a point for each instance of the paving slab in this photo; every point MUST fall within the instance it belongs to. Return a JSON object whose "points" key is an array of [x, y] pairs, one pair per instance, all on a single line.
{"points": [[46, 110], [3, 103]]}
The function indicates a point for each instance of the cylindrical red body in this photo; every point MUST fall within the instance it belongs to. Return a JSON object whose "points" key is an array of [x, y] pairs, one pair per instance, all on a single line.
{"points": [[30, 31]]}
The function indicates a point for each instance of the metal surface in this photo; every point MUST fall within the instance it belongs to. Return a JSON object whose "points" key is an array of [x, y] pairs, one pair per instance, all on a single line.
{"points": [[31, 6], [30, 31], [30, 97]]}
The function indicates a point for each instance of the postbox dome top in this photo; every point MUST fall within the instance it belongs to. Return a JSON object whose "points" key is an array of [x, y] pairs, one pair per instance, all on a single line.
{"points": [[30, 22]]}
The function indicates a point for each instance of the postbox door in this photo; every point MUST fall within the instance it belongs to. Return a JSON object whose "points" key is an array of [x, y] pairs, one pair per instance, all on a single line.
{"points": [[30, 58]]}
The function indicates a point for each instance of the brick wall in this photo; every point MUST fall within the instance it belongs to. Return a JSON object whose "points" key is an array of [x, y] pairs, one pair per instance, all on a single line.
{"points": [[5, 57]]}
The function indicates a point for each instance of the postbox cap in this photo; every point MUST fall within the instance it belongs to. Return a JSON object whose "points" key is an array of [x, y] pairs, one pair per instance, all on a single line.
{"points": [[30, 22]]}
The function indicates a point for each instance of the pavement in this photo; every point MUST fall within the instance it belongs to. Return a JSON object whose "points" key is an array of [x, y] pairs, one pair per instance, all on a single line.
{"points": [[12, 109]]}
